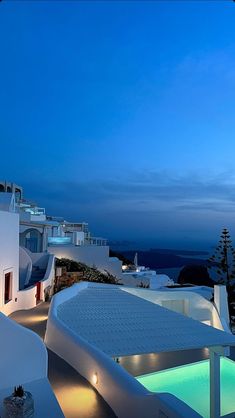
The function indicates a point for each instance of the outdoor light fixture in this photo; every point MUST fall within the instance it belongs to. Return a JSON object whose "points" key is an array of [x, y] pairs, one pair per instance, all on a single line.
{"points": [[95, 378]]}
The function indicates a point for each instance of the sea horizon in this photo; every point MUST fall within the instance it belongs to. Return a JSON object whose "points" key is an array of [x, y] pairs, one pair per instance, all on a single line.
{"points": [[171, 256]]}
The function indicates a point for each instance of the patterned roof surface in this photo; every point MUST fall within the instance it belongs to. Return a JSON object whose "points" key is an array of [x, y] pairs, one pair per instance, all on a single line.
{"points": [[119, 323]]}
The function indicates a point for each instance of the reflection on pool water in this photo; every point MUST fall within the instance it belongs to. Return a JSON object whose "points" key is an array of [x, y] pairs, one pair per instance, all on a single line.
{"points": [[190, 383]]}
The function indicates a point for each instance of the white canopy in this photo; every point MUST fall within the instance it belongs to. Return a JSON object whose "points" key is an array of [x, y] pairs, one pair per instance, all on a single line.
{"points": [[121, 324]]}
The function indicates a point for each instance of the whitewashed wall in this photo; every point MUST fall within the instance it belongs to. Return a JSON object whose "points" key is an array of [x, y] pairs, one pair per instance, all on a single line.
{"points": [[26, 299], [193, 305], [23, 361], [9, 262], [25, 267], [49, 276], [9, 257], [91, 255], [23, 354]]}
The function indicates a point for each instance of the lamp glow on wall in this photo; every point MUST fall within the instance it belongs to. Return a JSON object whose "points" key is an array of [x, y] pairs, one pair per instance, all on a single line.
{"points": [[95, 378]]}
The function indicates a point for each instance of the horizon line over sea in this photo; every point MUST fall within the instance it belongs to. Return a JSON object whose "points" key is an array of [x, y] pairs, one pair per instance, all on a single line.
{"points": [[148, 245], [170, 270]]}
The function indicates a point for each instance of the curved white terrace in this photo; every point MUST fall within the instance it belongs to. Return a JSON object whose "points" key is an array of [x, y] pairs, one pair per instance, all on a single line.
{"points": [[120, 324], [90, 323]]}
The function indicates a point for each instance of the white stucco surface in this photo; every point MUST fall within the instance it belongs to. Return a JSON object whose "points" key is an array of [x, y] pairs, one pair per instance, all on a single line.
{"points": [[23, 361], [221, 303], [92, 255], [9, 257], [48, 279], [187, 302], [25, 267], [18, 262], [23, 354], [121, 324]]}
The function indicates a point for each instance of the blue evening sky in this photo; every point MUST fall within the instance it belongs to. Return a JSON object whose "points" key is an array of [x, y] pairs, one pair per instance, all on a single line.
{"points": [[122, 113]]}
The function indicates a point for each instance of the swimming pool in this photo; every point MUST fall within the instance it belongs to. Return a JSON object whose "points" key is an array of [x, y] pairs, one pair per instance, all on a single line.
{"points": [[190, 383]]}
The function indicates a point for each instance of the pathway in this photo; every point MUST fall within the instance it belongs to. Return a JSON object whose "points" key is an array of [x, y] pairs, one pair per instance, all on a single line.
{"points": [[76, 396]]}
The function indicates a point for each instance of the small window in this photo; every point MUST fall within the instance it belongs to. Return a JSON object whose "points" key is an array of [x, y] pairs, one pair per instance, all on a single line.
{"points": [[8, 287]]}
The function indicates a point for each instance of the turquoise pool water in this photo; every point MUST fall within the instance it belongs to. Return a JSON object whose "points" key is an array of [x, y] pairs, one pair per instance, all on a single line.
{"points": [[190, 383]]}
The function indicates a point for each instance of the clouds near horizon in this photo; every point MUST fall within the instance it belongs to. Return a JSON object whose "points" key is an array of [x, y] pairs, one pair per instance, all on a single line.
{"points": [[160, 202], [122, 113]]}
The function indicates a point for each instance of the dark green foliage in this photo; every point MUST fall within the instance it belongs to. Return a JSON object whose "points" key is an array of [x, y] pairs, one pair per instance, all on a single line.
{"points": [[121, 257], [195, 274], [47, 294], [223, 259], [18, 391], [70, 265], [88, 274]]}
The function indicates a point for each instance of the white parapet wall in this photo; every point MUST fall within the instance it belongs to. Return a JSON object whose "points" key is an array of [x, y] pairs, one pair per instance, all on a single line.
{"points": [[24, 361], [9, 260], [92, 255], [49, 277], [186, 302], [47, 262], [10, 265], [25, 267], [26, 297], [221, 303], [126, 396], [23, 354]]}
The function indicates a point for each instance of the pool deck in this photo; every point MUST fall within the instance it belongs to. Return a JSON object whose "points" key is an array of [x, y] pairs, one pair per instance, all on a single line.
{"points": [[149, 363], [76, 396]]}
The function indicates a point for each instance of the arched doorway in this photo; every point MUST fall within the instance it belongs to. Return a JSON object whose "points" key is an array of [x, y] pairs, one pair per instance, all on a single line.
{"points": [[9, 189], [2, 188], [31, 239]]}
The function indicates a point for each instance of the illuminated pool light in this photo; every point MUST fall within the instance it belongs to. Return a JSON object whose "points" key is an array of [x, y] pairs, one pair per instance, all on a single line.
{"points": [[190, 383], [95, 379]]}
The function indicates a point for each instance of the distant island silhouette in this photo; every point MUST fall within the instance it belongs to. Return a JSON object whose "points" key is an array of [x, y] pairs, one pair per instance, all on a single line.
{"points": [[158, 258]]}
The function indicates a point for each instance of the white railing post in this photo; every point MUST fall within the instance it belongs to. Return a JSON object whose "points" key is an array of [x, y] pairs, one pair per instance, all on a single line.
{"points": [[214, 384]]}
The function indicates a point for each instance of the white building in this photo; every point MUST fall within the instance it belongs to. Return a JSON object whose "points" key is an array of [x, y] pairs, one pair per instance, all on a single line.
{"points": [[9, 260], [25, 277], [29, 242], [42, 233], [23, 356]]}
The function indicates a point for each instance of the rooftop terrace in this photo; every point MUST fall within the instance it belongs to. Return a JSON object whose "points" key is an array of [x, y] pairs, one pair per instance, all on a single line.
{"points": [[121, 324]]}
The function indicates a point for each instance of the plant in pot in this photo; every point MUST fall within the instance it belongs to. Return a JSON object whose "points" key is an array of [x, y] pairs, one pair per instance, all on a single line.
{"points": [[19, 405]]}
